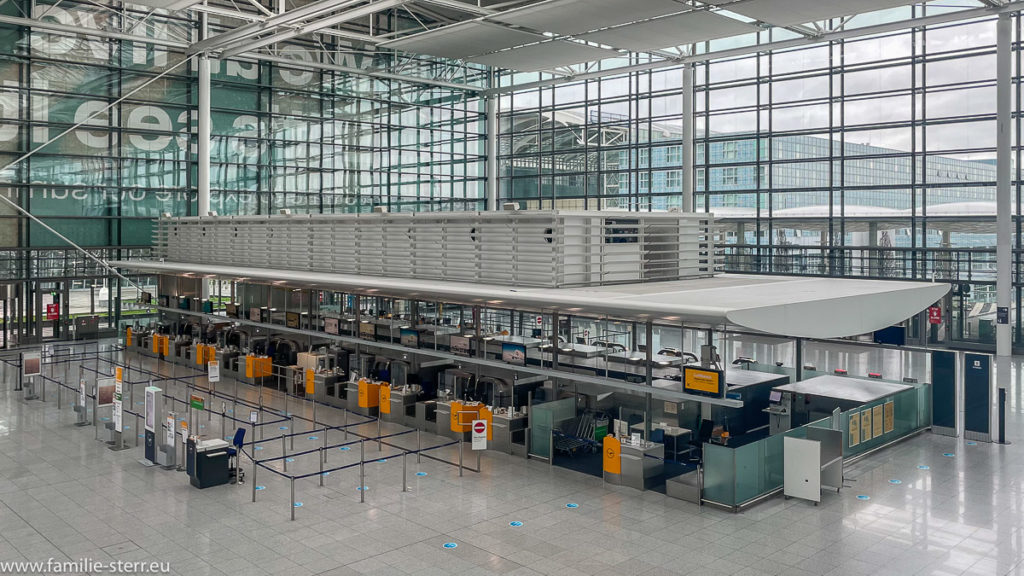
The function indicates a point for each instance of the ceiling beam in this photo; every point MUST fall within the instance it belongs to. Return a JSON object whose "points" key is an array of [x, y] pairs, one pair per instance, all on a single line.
{"points": [[967, 14]]}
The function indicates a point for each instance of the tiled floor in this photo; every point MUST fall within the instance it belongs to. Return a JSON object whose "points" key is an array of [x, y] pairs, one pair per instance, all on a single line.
{"points": [[65, 495]]}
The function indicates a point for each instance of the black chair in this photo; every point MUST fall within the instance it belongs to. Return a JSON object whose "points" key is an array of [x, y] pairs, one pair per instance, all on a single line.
{"points": [[697, 443], [236, 447]]}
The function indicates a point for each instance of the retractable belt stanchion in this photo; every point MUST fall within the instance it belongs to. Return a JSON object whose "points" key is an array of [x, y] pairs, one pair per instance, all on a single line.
{"points": [[362, 477]]}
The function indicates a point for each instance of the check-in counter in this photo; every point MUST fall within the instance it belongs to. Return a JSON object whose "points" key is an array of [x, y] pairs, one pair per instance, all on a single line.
{"points": [[509, 432], [637, 465], [426, 415], [329, 389], [443, 420], [403, 405]]}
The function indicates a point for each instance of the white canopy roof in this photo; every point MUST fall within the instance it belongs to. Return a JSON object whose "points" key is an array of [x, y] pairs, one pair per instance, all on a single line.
{"points": [[789, 306]]}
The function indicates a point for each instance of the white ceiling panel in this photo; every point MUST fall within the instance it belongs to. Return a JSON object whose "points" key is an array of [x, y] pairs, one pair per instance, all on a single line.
{"points": [[577, 16], [787, 12], [669, 31], [462, 40], [544, 56]]}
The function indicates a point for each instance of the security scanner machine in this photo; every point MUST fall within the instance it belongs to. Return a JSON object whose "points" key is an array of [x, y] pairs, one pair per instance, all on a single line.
{"points": [[818, 397], [206, 462]]}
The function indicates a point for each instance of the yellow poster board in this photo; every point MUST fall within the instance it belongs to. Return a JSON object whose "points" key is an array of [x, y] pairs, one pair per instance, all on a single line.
{"points": [[890, 416], [876, 420], [369, 394], [118, 374], [865, 425], [854, 429], [385, 399], [154, 344], [612, 449], [128, 337], [166, 341]]}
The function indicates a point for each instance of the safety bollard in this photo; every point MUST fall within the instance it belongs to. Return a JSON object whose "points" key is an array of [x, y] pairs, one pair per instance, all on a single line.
{"points": [[321, 467], [418, 446], [460, 455], [362, 481], [284, 452], [405, 487], [293, 499]]}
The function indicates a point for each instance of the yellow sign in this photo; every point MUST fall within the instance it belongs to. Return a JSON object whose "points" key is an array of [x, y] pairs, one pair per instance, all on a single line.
{"points": [[369, 394], [166, 341], [890, 416], [876, 421], [154, 344], [865, 425], [612, 455], [117, 374], [707, 381], [128, 336], [310, 382], [854, 429], [385, 399]]}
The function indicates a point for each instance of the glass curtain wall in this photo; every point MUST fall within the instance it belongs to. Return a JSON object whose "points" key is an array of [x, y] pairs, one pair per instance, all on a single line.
{"points": [[284, 137], [866, 157]]}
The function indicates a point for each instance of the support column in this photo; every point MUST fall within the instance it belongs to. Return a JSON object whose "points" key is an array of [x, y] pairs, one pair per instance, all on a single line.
{"points": [[492, 153], [689, 176], [1004, 201], [203, 150]]}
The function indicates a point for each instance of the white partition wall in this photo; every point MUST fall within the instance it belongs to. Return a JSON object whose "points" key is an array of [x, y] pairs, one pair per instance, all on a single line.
{"points": [[541, 249]]}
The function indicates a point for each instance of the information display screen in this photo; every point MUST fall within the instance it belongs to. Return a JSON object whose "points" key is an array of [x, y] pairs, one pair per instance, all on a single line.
{"points": [[703, 381], [410, 337], [459, 345], [513, 353]]}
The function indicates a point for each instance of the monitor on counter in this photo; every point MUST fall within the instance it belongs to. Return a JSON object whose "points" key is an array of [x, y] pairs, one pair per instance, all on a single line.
{"points": [[703, 381], [513, 353], [775, 396]]}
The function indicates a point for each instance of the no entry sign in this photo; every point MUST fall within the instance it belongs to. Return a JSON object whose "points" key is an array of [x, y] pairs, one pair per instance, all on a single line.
{"points": [[479, 434]]}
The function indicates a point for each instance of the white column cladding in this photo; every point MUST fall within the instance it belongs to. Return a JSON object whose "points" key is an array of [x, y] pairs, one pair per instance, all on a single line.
{"points": [[203, 150], [1004, 201], [689, 156], [492, 152]]}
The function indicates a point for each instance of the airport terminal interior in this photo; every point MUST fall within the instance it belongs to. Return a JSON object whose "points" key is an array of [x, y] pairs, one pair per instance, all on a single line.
{"points": [[517, 287]]}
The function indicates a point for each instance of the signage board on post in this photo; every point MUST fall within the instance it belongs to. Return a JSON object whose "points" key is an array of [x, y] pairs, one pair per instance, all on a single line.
{"points": [[479, 430], [81, 393], [213, 375], [31, 363], [197, 402], [104, 392], [117, 403], [934, 315], [169, 430], [254, 416]]}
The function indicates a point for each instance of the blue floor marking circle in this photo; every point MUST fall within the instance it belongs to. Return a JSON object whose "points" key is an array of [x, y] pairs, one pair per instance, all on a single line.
{"points": [[923, 467], [949, 455], [312, 438], [382, 460], [449, 545], [282, 427], [289, 459], [515, 523], [298, 504], [863, 497], [259, 447], [105, 419], [261, 487], [421, 473], [325, 474], [343, 448], [895, 481], [572, 505], [972, 443], [362, 488]]}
